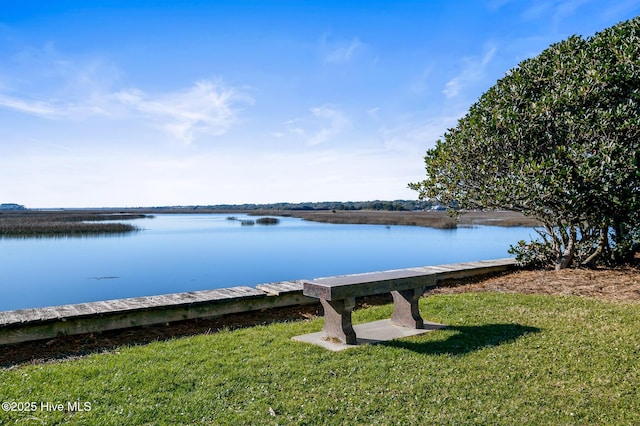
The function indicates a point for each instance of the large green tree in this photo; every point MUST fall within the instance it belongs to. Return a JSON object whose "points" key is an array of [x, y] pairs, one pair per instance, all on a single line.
{"points": [[557, 138]]}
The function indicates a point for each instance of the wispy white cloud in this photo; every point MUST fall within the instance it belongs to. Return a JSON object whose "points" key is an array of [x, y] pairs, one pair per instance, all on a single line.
{"points": [[344, 53], [553, 11], [57, 108], [567, 8], [497, 4], [75, 89], [43, 82], [538, 10], [421, 83], [321, 126], [335, 121], [472, 72], [414, 136], [339, 52], [620, 9], [374, 113], [40, 108], [205, 108]]}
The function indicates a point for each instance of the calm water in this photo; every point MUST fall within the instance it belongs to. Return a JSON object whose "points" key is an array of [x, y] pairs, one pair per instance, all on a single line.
{"points": [[176, 253]]}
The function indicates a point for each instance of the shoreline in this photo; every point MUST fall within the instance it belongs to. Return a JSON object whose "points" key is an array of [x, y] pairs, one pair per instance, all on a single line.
{"points": [[38, 223]]}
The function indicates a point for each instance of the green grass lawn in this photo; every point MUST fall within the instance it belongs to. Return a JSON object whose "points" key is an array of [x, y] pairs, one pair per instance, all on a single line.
{"points": [[505, 359]]}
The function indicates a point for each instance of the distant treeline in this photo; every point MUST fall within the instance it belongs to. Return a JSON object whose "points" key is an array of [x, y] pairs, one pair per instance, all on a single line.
{"points": [[396, 205]]}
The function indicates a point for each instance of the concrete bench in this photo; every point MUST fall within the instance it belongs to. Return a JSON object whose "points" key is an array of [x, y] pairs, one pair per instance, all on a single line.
{"points": [[337, 294]]}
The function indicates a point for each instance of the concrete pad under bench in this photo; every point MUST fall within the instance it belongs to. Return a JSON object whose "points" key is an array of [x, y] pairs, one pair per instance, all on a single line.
{"points": [[369, 333]]}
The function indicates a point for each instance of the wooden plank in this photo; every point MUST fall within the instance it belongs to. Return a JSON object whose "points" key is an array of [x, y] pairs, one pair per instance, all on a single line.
{"points": [[217, 303], [9, 317], [477, 268], [67, 312], [467, 268], [277, 289]]}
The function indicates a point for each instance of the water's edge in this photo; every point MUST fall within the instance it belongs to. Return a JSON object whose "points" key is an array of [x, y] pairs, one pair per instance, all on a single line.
{"points": [[44, 323]]}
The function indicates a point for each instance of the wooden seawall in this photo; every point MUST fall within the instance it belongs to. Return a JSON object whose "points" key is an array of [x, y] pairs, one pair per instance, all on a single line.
{"points": [[45, 323]]}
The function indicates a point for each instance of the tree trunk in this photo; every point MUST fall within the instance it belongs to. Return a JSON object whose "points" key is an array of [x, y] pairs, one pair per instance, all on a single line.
{"points": [[566, 258], [601, 245]]}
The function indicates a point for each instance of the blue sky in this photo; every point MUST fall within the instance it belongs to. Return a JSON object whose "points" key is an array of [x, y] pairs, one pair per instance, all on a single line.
{"points": [[143, 103]]}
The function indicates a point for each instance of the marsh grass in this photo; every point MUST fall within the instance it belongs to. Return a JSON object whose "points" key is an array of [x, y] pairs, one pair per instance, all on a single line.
{"points": [[45, 224], [505, 359], [268, 221], [433, 219]]}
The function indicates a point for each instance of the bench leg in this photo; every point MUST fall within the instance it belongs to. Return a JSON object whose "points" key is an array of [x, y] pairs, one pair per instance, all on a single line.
{"points": [[405, 308], [337, 320]]}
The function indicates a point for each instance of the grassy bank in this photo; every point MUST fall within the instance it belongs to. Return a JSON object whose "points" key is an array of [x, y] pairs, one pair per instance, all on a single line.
{"points": [[505, 359], [46, 224]]}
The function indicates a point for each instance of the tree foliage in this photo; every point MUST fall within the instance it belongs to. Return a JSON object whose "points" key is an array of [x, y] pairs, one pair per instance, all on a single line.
{"points": [[557, 138]]}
